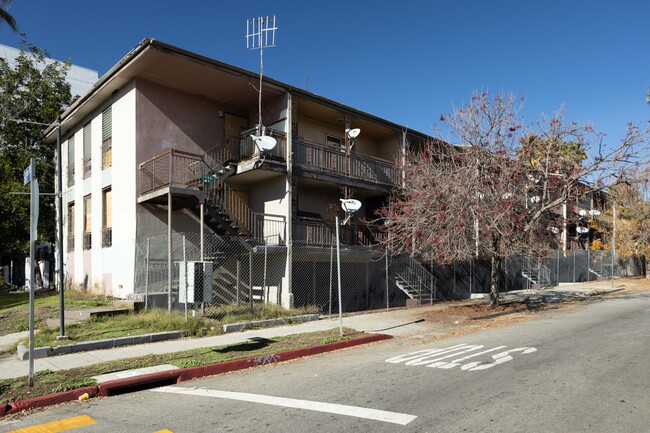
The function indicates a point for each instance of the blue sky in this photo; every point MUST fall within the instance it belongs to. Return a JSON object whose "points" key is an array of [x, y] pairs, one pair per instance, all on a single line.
{"points": [[406, 61]]}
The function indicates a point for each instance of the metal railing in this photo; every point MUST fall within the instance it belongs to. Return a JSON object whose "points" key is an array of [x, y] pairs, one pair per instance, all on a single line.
{"points": [[248, 149], [167, 169], [316, 233], [333, 160], [107, 237]]}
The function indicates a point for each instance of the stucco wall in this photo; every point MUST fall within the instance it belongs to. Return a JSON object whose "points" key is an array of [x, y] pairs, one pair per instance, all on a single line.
{"points": [[167, 119]]}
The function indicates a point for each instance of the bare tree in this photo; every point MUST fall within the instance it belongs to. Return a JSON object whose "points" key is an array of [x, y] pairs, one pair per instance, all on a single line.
{"points": [[497, 193]]}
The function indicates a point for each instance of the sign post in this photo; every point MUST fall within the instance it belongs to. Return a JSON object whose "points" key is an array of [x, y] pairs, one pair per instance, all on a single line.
{"points": [[29, 177]]}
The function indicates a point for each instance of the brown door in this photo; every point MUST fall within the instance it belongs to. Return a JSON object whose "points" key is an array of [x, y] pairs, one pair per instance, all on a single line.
{"points": [[234, 125]]}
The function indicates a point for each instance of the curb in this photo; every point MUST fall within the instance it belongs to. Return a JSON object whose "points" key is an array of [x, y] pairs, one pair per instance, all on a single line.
{"points": [[152, 380], [236, 327], [43, 352]]}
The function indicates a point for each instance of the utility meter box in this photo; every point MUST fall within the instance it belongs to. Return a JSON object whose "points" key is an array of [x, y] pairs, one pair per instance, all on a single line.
{"points": [[195, 282]]}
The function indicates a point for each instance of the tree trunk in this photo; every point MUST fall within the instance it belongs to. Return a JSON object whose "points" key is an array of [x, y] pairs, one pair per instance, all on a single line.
{"points": [[494, 281]]}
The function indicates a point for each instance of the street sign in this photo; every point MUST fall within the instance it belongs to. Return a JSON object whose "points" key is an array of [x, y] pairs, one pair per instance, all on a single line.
{"points": [[27, 175]]}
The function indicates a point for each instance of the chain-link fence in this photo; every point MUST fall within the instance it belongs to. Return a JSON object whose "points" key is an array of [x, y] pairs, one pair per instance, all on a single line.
{"points": [[193, 275]]}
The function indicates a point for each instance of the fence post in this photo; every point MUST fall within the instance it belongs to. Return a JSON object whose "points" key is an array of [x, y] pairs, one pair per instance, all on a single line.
{"points": [[237, 287], [146, 278], [184, 264], [387, 298], [250, 279], [331, 269], [265, 289], [573, 252]]}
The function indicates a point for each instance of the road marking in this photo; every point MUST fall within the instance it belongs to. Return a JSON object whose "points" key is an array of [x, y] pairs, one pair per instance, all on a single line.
{"points": [[58, 426], [436, 358], [163, 431], [339, 409]]}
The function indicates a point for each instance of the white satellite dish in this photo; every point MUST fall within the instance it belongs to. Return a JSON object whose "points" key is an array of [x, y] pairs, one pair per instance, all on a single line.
{"points": [[264, 142], [582, 212], [582, 230], [594, 212], [353, 133], [350, 205]]}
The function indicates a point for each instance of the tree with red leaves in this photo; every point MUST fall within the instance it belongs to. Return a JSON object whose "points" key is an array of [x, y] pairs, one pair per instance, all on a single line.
{"points": [[495, 191]]}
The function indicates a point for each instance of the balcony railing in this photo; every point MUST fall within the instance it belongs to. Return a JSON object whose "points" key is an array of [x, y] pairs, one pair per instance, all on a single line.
{"points": [[332, 160], [167, 169], [107, 237], [319, 234], [248, 149], [87, 240]]}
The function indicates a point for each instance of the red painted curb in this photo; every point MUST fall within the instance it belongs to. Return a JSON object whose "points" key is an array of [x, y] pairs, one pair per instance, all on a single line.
{"points": [[121, 386], [49, 400]]}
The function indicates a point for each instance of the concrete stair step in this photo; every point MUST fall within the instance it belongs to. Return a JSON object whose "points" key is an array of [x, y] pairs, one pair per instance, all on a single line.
{"points": [[74, 316]]}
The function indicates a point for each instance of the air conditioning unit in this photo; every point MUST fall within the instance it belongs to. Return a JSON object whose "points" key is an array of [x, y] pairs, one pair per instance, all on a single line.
{"points": [[195, 282]]}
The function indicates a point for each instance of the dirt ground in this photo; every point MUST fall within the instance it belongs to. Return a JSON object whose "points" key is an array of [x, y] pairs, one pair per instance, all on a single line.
{"points": [[482, 315]]}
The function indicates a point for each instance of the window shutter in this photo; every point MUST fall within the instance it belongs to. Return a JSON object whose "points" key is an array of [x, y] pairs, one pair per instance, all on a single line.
{"points": [[87, 141], [107, 124], [71, 151]]}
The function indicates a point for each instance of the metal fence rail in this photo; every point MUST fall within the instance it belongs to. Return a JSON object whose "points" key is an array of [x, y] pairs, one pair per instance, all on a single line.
{"points": [[233, 271]]}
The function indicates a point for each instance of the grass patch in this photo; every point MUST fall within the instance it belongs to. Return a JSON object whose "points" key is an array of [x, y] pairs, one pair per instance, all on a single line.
{"points": [[47, 381], [123, 325]]}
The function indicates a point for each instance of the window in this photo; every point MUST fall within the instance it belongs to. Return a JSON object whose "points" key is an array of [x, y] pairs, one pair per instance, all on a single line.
{"points": [[71, 226], [107, 218], [87, 150], [87, 223], [334, 142], [107, 137], [71, 161]]}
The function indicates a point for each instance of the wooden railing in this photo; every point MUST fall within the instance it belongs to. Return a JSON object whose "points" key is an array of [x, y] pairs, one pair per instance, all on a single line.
{"points": [[332, 160]]}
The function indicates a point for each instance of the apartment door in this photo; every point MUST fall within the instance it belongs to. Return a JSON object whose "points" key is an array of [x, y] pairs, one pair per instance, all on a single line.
{"points": [[234, 125]]}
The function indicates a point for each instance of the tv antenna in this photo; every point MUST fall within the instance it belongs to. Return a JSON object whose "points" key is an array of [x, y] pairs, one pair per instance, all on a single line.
{"points": [[260, 34]]}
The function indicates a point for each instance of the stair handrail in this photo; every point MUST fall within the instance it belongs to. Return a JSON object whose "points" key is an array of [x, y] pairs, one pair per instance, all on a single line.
{"points": [[424, 274]]}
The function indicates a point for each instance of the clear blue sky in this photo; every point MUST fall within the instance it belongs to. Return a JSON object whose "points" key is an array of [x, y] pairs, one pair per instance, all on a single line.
{"points": [[406, 61]]}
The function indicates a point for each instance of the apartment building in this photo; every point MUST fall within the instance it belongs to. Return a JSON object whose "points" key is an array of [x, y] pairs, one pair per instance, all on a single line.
{"points": [[162, 158]]}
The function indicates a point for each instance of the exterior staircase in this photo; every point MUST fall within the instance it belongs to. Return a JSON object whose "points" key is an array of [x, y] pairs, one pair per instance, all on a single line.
{"points": [[416, 282], [537, 274]]}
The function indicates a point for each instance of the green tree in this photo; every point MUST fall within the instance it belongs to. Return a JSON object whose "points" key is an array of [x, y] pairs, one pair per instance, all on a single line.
{"points": [[32, 93], [6, 17]]}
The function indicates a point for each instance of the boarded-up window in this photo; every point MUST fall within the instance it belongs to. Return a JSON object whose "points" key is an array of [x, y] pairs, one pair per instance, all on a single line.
{"points": [[70, 226], [87, 150], [107, 137], [87, 222], [71, 161], [107, 218]]}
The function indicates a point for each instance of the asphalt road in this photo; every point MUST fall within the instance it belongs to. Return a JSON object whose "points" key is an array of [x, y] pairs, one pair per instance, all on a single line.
{"points": [[582, 369]]}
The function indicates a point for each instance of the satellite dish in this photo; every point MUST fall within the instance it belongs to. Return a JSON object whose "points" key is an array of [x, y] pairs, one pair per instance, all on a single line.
{"points": [[594, 212], [350, 205], [264, 142], [582, 212], [582, 230], [353, 133]]}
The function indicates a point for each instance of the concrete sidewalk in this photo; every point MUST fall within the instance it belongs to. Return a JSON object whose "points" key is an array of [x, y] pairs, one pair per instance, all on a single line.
{"points": [[402, 322]]}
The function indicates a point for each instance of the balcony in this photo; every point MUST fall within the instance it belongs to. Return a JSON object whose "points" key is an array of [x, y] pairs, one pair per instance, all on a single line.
{"points": [[330, 160], [319, 234], [169, 169]]}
